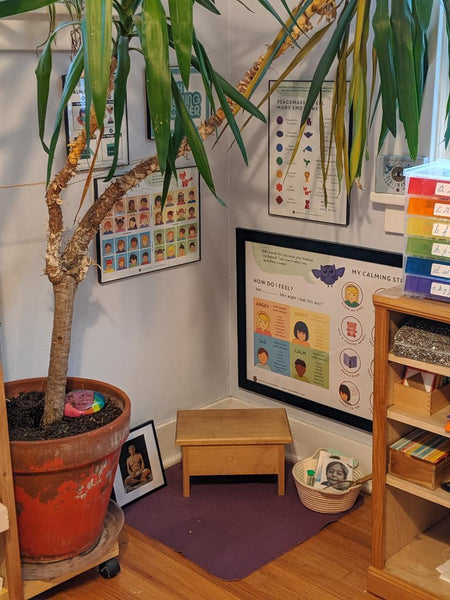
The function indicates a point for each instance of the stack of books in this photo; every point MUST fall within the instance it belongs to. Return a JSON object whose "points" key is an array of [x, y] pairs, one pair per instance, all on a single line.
{"points": [[422, 457], [424, 445]]}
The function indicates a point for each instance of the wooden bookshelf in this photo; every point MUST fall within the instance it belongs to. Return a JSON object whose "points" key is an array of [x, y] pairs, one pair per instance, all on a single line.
{"points": [[10, 567], [410, 523]]}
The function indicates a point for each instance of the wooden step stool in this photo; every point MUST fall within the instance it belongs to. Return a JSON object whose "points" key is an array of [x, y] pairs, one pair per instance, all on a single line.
{"points": [[233, 442]]}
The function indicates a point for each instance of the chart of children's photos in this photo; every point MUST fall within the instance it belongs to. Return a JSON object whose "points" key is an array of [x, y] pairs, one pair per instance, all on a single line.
{"points": [[75, 117], [143, 234]]}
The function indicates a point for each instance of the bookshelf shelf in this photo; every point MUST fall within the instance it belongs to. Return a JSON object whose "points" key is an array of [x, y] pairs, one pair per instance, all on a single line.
{"points": [[434, 423], [417, 364], [438, 496]]}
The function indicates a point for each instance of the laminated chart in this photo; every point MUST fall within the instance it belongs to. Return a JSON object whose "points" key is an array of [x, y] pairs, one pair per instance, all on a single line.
{"points": [[296, 189], [309, 324]]}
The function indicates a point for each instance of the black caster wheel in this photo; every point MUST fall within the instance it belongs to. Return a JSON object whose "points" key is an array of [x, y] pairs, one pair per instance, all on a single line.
{"points": [[110, 568]]}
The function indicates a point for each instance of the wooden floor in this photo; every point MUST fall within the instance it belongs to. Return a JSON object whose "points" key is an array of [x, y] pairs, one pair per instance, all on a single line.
{"points": [[331, 565]]}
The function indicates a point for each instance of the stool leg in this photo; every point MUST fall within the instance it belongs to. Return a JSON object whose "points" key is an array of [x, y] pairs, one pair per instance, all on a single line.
{"points": [[281, 478], [186, 479]]}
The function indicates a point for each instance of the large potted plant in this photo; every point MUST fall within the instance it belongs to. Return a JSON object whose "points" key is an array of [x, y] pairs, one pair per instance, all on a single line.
{"points": [[60, 516], [108, 27]]}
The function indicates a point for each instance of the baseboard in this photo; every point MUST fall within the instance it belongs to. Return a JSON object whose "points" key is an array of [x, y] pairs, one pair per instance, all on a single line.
{"points": [[307, 439]]}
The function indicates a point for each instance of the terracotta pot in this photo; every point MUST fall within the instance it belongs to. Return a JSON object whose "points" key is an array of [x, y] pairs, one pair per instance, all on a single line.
{"points": [[62, 487]]}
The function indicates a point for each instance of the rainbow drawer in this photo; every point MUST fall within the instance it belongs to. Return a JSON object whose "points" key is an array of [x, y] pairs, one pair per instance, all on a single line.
{"points": [[428, 227], [428, 248], [429, 179], [426, 286], [436, 269], [429, 207], [423, 186]]}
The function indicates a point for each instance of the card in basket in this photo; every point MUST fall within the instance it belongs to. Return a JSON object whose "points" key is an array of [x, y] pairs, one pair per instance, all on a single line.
{"points": [[333, 469]]}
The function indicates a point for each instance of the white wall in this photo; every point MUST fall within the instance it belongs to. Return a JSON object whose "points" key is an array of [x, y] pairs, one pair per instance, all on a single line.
{"points": [[167, 338]]}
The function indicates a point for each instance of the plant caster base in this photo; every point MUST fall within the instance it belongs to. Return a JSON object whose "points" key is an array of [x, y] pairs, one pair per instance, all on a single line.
{"points": [[109, 569]]}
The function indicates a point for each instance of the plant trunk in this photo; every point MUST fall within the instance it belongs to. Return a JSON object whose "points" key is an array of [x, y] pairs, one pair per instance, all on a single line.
{"points": [[64, 297]]}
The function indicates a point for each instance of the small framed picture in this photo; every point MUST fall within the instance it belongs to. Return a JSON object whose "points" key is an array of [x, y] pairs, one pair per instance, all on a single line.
{"points": [[140, 470]]}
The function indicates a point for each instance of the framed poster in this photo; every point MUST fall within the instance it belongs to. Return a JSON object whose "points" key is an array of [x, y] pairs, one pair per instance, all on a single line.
{"points": [[140, 235], [74, 120], [140, 470], [195, 99], [306, 322], [298, 192]]}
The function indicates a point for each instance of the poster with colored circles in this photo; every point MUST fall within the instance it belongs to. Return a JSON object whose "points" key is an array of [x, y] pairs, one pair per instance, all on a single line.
{"points": [[142, 233], [306, 322], [297, 189]]}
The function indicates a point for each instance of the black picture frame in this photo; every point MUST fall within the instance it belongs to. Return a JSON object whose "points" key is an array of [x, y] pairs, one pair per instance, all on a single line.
{"points": [[145, 442], [371, 270]]}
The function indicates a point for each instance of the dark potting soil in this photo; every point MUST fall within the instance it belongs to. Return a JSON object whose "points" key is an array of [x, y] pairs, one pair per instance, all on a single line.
{"points": [[25, 414]]}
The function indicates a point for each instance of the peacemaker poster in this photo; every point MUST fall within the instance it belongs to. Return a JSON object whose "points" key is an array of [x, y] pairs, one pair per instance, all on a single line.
{"points": [[297, 190], [309, 321]]}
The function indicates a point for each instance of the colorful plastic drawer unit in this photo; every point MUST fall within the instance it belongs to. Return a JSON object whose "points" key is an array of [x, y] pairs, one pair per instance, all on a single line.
{"points": [[436, 269], [424, 286], [428, 248], [429, 207], [428, 227]]}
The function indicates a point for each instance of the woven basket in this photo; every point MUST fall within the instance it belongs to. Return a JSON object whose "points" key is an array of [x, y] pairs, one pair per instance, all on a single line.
{"points": [[326, 500]]}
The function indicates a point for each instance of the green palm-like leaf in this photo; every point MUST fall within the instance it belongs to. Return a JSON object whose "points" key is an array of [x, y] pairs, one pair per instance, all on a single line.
{"points": [[175, 141], [224, 105], [208, 5], [403, 34], [383, 133], [9, 8], [230, 91], [198, 62], [338, 113], [98, 52], [181, 18], [307, 48], [359, 114], [120, 94], [155, 45], [43, 72], [323, 160], [276, 45], [423, 9], [71, 81], [383, 45], [328, 58], [422, 14], [195, 142], [267, 5], [358, 90]]}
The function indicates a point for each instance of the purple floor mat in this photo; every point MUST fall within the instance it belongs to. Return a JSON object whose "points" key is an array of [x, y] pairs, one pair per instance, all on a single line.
{"points": [[230, 526]]}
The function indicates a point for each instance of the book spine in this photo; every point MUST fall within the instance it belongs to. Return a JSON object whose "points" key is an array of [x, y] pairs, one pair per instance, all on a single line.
{"points": [[405, 441]]}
